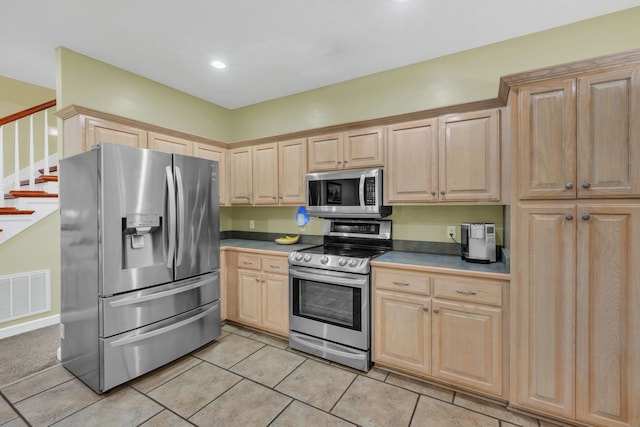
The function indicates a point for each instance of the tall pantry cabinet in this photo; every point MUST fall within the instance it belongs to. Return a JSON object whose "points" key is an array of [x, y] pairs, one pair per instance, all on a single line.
{"points": [[575, 283]]}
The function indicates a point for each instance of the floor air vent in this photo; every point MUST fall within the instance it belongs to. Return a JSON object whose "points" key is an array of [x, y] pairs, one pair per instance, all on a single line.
{"points": [[24, 294]]}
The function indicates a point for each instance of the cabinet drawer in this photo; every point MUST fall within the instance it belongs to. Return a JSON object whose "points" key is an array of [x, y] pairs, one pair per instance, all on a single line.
{"points": [[249, 261], [275, 265], [399, 280], [468, 289]]}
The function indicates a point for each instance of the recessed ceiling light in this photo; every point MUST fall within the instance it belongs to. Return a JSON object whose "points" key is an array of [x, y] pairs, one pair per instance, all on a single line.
{"points": [[218, 64]]}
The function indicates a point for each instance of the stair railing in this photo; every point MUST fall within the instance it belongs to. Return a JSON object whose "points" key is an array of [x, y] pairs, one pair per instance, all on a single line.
{"points": [[13, 119]]}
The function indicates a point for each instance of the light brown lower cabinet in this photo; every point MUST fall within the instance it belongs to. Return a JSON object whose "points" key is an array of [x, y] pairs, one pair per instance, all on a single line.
{"points": [[258, 291], [575, 343], [447, 327]]}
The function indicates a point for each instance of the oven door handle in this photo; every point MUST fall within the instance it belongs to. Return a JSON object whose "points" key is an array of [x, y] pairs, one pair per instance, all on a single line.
{"points": [[332, 280]]}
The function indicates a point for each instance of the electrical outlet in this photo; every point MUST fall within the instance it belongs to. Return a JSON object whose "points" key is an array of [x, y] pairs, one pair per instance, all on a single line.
{"points": [[252, 224], [451, 231]]}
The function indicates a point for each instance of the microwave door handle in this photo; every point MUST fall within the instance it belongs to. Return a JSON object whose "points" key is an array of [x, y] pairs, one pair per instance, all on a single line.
{"points": [[171, 220], [361, 192]]}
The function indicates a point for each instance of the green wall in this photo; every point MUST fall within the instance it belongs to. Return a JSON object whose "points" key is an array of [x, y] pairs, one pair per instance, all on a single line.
{"points": [[93, 84], [36, 248], [463, 77]]}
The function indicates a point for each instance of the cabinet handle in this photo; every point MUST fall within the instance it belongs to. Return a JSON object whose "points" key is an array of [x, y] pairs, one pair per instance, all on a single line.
{"points": [[442, 192], [586, 184], [436, 310], [568, 185], [274, 197], [274, 266], [569, 217], [247, 262], [425, 308], [471, 292], [433, 193], [281, 197], [257, 280], [262, 280], [346, 161], [339, 162], [586, 217], [400, 283]]}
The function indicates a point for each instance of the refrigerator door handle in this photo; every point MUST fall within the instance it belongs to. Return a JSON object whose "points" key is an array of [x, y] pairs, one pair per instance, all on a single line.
{"points": [[171, 220], [181, 221]]}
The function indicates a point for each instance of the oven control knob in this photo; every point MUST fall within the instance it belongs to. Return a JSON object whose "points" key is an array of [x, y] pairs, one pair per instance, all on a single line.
{"points": [[342, 261], [324, 259], [298, 257], [353, 263], [307, 258]]}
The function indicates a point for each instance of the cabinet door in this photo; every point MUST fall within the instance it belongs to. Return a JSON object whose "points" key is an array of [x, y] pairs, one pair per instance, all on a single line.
{"points": [[325, 152], [411, 174], [543, 309], [469, 157], [265, 174], [218, 154], [170, 144], [104, 131], [467, 345], [547, 141], [364, 148], [292, 162], [609, 134], [249, 289], [608, 315], [275, 303], [223, 285], [402, 331], [241, 179]]}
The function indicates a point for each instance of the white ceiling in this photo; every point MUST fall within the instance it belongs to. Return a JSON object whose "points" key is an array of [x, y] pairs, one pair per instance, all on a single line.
{"points": [[273, 48]]}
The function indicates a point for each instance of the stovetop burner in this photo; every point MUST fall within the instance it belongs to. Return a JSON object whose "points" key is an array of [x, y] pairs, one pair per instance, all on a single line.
{"points": [[346, 251]]}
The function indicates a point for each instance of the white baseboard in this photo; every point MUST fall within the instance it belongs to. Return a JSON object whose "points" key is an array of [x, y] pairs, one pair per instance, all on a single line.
{"points": [[32, 325]]}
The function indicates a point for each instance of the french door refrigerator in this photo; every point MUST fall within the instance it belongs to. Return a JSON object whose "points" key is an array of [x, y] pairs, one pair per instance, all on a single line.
{"points": [[140, 261]]}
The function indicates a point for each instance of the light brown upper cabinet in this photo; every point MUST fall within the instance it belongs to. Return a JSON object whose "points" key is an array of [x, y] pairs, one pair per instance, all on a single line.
{"points": [[580, 137], [264, 172], [454, 158], [411, 174], [361, 148], [469, 156], [292, 167], [269, 174], [98, 130], [240, 176], [218, 154], [170, 144]]}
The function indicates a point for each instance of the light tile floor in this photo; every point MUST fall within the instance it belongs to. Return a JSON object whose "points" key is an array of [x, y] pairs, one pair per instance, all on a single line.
{"points": [[246, 378]]}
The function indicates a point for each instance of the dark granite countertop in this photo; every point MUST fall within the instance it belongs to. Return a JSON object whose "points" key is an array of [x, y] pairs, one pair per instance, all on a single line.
{"points": [[441, 262], [432, 262], [262, 245]]}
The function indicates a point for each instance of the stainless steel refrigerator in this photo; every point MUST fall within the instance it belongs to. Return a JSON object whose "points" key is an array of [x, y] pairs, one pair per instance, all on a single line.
{"points": [[140, 259]]}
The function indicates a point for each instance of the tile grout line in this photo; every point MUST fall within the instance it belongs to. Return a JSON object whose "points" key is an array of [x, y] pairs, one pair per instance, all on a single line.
{"points": [[18, 413]]}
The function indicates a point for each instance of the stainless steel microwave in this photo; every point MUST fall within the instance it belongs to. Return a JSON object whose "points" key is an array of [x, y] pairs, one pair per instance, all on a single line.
{"points": [[346, 194]]}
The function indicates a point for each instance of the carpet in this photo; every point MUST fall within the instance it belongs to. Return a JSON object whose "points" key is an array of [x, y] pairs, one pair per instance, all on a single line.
{"points": [[25, 354]]}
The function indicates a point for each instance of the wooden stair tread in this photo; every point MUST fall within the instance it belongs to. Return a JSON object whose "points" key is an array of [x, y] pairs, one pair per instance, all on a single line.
{"points": [[38, 180], [46, 178], [15, 211], [51, 169], [31, 193]]}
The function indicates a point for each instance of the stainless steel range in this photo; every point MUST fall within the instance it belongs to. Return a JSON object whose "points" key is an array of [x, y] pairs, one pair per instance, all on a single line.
{"points": [[330, 291]]}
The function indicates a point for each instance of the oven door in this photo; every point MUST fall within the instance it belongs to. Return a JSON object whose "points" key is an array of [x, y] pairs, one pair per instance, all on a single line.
{"points": [[330, 305]]}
